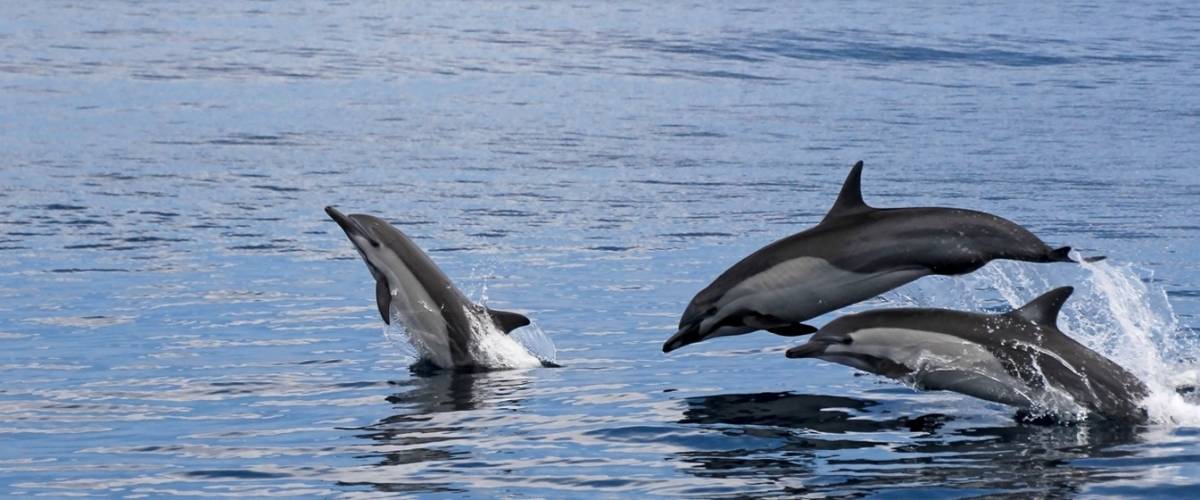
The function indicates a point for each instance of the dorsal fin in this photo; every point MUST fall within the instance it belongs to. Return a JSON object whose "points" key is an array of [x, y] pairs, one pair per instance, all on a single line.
{"points": [[850, 200], [507, 321], [383, 299], [1044, 309]]}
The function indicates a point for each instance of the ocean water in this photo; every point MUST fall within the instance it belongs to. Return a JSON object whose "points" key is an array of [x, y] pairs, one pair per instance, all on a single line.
{"points": [[179, 317]]}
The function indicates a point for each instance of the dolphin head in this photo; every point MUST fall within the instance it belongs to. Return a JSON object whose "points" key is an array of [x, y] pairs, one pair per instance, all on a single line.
{"points": [[701, 321], [836, 343], [704, 319], [364, 232], [823, 344]]}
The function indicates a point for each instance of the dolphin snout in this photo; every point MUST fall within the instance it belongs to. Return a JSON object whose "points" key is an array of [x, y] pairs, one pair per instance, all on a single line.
{"points": [[810, 349], [348, 224], [340, 219], [687, 334]]}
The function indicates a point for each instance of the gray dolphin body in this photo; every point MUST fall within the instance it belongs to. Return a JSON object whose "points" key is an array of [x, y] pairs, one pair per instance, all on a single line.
{"points": [[437, 315], [855, 253], [1019, 358]]}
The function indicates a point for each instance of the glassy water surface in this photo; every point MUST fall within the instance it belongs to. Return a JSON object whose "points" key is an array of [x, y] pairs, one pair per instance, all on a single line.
{"points": [[179, 317]]}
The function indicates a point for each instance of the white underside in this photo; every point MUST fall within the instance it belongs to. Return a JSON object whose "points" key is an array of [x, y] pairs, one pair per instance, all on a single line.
{"points": [[426, 328], [800, 289], [944, 362]]}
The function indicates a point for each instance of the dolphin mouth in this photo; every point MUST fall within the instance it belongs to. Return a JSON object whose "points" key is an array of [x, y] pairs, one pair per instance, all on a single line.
{"points": [[687, 334], [809, 349], [350, 226], [344, 222]]}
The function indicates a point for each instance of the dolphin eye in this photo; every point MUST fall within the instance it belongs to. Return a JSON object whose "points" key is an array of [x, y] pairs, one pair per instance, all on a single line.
{"points": [[375, 243], [846, 340]]}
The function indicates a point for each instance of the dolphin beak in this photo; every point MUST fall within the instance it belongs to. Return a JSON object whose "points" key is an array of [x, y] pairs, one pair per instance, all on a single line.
{"points": [[809, 349], [350, 226], [687, 334], [347, 225]]}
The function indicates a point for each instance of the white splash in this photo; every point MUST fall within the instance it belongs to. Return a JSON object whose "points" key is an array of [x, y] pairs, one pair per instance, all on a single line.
{"points": [[491, 348], [1134, 325], [1113, 311]]}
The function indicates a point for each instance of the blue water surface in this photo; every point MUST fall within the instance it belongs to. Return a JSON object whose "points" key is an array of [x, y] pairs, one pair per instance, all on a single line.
{"points": [[179, 317]]}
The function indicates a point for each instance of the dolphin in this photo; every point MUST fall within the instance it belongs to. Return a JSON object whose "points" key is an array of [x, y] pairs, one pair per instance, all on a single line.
{"points": [[856, 252], [440, 320], [1019, 358]]}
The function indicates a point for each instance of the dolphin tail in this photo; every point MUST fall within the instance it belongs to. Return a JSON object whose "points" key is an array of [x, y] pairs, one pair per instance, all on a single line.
{"points": [[1063, 254], [507, 321]]}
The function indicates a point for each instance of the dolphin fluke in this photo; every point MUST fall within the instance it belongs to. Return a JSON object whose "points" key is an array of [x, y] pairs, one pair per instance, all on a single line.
{"points": [[507, 321], [1063, 254]]}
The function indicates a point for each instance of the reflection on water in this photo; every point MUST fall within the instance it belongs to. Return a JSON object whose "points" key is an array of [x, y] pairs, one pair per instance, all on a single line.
{"points": [[831, 414], [444, 391], [807, 437], [416, 435]]}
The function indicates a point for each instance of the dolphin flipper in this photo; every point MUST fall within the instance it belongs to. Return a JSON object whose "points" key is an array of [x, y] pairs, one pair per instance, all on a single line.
{"points": [[507, 321], [778, 326], [383, 299], [793, 330]]}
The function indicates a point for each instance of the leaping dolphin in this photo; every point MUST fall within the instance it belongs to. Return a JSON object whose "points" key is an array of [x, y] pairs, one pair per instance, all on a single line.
{"points": [[1019, 358], [442, 323], [856, 252]]}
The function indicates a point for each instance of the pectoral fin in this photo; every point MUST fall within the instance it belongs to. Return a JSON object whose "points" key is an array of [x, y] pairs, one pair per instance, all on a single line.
{"points": [[778, 326], [383, 299], [793, 330], [507, 321]]}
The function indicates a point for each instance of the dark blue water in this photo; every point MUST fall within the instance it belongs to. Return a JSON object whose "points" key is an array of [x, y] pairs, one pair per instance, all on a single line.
{"points": [[179, 317]]}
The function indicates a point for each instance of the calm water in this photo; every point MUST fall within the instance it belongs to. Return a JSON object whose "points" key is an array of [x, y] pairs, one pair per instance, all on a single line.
{"points": [[179, 317]]}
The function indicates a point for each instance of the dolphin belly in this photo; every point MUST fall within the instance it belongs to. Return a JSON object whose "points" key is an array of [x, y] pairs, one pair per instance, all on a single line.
{"points": [[421, 316], [802, 288]]}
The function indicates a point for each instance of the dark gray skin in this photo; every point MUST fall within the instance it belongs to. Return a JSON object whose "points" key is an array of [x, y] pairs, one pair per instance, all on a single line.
{"points": [[866, 251], [1027, 343], [376, 241]]}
